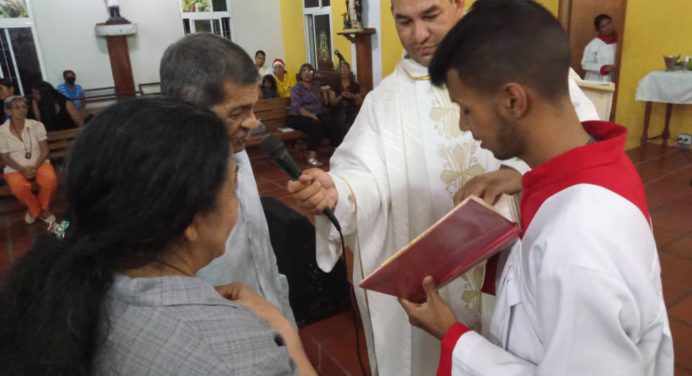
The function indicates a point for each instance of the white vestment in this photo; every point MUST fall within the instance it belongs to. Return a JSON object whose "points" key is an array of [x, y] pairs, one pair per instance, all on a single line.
{"points": [[597, 54], [396, 173], [581, 293], [249, 257]]}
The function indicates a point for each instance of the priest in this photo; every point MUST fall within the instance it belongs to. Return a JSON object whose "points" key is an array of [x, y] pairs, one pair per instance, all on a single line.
{"points": [[395, 174]]}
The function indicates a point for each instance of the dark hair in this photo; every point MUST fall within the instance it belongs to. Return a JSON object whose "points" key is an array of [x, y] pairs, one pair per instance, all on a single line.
{"points": [[136, 177], [65, 72], [597, 21], [269, 78], [46, 106], [6, 82], [500, 41], [196, 68], [300, 71], [260, 52]]}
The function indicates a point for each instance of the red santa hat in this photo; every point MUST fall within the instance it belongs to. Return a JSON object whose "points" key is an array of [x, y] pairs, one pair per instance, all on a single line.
{"points": [[279, 62]]}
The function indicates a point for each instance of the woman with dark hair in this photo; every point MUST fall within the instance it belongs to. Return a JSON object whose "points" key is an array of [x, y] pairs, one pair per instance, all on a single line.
{"points": [[54, 110], [347, 97], [307, 113], [151, 199], [268, 87]]}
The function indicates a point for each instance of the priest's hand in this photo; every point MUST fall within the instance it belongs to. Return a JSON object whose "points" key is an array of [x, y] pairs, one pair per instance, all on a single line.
{"points": [[491, 186], [434, 315], [314, 190]]}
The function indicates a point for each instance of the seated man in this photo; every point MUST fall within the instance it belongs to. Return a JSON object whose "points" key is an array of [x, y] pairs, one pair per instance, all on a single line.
{"points": [[580, 293]]}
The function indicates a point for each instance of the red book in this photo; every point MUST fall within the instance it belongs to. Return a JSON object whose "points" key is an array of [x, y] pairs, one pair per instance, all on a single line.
{"points": [[472, 232]]}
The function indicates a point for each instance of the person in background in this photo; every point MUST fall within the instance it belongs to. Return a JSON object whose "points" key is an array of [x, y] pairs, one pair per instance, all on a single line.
{"points": [[260, 59], [54, 110], [6, 91], [580, 293], [268, 87], [151, 194], [599, 55], [24, 150], [215, 73], [347, 98], [72, 90], [308, 114], [284, 81]]}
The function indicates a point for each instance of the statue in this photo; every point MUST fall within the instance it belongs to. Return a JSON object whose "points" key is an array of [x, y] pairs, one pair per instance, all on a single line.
{"points": [[353, 18]]}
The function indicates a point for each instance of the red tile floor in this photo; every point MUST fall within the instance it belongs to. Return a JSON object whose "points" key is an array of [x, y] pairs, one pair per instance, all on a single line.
{"points": [[331, 343]]}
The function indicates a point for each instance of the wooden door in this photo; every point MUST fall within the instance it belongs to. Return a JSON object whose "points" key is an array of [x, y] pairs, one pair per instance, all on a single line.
{"points": [[577, 16]]}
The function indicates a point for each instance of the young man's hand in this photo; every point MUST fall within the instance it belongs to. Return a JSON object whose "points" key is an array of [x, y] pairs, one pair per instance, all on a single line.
{"points": [[434, 315]]}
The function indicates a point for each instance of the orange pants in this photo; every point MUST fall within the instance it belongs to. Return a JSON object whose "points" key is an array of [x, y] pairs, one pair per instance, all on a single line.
{"points": [[20, 187]]}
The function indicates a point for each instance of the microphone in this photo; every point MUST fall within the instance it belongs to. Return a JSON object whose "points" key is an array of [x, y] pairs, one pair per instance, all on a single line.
{"points": [[276, 151], [339, 55]]}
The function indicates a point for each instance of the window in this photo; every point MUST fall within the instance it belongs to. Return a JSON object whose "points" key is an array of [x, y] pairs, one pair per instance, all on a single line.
{"points": [[318, 34], [206, 16], [19, 53]]}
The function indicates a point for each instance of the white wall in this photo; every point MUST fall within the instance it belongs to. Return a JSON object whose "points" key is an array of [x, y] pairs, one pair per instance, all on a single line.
{"points": [[257, 26], [65, 32]]}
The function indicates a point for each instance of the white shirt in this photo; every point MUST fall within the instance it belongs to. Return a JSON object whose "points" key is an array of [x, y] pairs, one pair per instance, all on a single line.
{"points": [[597, 54], [249, 257], [34, 132], [581, 293]]}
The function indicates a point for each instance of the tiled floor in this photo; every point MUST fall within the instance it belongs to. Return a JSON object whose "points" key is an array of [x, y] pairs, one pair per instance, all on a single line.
{"points": [[331, 343]]}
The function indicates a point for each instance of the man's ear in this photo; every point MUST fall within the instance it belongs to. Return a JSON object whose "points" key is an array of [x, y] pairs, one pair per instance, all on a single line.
{"points": [[514, 100], [459, 7]]}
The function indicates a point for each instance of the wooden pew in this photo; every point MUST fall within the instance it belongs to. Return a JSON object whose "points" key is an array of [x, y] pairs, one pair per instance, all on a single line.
{"points": [[273, 112]]}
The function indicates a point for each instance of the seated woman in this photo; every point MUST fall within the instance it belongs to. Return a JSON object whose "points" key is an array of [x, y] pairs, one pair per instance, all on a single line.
{"points": [[307, 113], [24, 150], [53, 109], [347, 98], [268, 87], [151, 199], [284, 81]]}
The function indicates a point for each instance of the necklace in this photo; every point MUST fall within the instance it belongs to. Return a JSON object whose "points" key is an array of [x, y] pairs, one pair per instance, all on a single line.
{"points": [[27, 151]]}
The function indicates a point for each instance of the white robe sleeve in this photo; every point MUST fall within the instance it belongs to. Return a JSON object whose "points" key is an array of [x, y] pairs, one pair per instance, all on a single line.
{"points": [[587, 319], [592, 61], [359, 174]]}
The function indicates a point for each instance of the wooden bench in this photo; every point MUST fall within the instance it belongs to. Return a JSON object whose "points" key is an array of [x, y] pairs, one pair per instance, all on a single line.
{"points": [[272, 113], [59, 143]]}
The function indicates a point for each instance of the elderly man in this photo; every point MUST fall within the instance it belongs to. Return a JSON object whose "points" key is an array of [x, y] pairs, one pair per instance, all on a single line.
{"points": [[213, 72], [395, 174]]}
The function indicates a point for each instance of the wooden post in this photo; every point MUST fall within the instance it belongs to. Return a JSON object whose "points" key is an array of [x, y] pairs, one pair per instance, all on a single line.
{"points": [[116, 30], [363, 41], [121, 66]]}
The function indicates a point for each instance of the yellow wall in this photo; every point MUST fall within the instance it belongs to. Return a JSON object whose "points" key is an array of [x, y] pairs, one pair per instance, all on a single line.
{"points": [[293, 30], [391, 47], [652, 29]]}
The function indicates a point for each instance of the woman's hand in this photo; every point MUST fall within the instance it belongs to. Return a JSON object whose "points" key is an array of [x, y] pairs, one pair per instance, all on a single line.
{"points": [[241, 294]]}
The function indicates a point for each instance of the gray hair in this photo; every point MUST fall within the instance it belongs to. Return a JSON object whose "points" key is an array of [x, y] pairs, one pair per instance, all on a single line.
{"points": [[9, 101], [195, 69]]}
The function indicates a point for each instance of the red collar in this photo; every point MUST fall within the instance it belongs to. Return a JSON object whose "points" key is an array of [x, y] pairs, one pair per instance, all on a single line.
{"points": [[603, 163], [608, 40]]}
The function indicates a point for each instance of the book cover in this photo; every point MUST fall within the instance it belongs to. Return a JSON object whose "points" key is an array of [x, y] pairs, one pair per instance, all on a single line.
{"points": [[472, 232]]}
